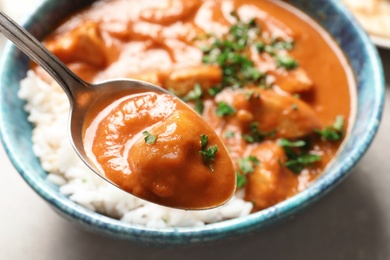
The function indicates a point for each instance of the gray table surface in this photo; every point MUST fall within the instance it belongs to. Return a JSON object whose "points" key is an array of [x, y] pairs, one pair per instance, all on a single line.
{"points": [[352, 222]]}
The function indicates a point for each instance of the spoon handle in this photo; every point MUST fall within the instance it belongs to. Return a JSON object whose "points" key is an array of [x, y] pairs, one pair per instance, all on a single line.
{"points": [[27, 43]]}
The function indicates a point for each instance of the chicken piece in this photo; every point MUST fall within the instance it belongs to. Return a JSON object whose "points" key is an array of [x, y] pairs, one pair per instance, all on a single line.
{"points": [[171, 171], [287, 116], [151, 77], [270, 182], [182, 81], [295, 81], [83, 44], [169, 11]]}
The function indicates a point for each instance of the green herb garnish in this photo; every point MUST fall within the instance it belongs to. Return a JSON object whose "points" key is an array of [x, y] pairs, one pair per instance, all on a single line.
{"points": [[260, 47], [204, 140], [149, 138], [333, 133], [286, 62], [247, 164], [240, 179], [287, 143], [298, 156], [229, 53], [196, 96], [214, 91], [298, 164], [223, 109], [256, 135], [208, 154], [199, 106], [280, 44], [229, 134]]}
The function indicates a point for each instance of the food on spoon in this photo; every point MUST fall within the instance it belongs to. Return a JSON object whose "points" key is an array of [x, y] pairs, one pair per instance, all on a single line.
{"points": [[269, 81], [158, 149]]}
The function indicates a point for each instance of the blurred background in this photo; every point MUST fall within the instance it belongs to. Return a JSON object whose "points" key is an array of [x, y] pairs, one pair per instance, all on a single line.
{"points": [[352, 222]]}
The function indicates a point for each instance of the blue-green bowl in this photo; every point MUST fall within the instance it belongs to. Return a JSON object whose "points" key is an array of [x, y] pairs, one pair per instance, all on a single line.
{"points": [[16, 130]]}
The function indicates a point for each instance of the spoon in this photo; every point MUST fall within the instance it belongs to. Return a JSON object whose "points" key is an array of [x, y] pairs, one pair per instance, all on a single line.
{"points": [[80, 93]]}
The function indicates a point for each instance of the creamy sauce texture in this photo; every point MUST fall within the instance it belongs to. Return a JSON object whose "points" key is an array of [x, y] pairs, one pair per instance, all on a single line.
{"points": [[163, 42]]}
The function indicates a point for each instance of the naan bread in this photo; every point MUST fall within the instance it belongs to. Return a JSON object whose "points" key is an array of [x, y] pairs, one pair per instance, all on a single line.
{"points": [[374, 15]]}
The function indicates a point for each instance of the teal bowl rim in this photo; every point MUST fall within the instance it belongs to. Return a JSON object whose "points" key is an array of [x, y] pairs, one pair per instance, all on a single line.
{"points": [[175, 236]]}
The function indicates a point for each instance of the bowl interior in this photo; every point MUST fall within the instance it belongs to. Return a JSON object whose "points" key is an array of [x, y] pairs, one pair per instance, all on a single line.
{"points": [[332, 15]]}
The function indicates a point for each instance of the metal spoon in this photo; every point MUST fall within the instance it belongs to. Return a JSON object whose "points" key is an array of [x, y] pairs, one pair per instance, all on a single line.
{"points": [[81, 94]]}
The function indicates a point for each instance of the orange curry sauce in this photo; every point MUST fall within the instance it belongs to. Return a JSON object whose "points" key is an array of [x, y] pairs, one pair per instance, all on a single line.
{"points": [[163, 42], [149, 144]]}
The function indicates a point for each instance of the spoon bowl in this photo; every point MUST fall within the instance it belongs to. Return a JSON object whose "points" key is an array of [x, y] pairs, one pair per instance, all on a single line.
{"points": [[88, 94]]}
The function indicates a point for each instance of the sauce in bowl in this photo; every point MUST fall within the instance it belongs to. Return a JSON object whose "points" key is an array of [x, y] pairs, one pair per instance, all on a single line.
{"points": [[270, 82]]}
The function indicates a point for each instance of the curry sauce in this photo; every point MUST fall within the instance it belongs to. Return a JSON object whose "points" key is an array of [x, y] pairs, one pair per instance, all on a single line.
{"points": [[157, 148], [269, 81]]}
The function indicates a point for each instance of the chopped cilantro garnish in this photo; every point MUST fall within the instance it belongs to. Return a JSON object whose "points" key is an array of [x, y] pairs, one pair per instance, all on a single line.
{"points": [[196, 96], [240, 179], [298, 156], [199, 106], [286, 62], [229, 134], [298, 164], [149, 138], [280, 44], [204, 140], [270, 50], [256, 135], [247, 164], [229, 52], [208, 154], [214, 91], [260, 47], [286, 143], [333, 133], [223, 109]]}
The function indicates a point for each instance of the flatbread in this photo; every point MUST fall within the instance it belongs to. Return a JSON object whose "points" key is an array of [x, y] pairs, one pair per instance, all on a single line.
{"points": [[374, 15]]}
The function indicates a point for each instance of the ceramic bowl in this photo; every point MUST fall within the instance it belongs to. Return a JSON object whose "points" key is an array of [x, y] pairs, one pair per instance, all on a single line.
{"points": [[331, 14]]}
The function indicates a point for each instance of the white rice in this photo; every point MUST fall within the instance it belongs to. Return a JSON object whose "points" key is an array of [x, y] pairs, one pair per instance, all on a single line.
{"points": [[48, 109]]}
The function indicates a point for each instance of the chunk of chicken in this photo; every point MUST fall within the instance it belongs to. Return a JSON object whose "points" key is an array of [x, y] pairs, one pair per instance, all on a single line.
{"points": [[182, 81], [294, 81], [151, 77], [169, 11], [290, 117], [83, 44], [270, 182]]}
